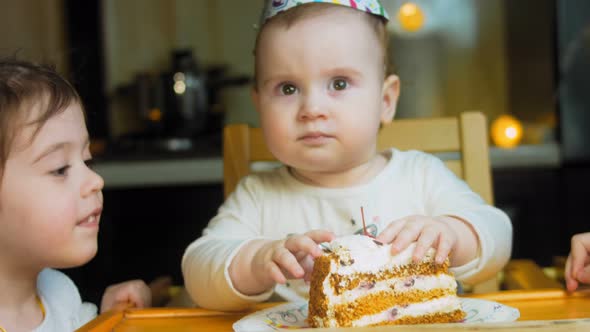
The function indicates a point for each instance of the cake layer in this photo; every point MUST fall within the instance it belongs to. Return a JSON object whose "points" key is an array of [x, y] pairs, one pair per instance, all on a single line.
{"points": [[440, 310], [394, 286], [345, 282], [380, 302]]}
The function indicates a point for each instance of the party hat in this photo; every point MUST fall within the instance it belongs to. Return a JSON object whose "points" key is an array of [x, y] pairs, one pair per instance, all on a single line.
{"points": [[274, 7]]}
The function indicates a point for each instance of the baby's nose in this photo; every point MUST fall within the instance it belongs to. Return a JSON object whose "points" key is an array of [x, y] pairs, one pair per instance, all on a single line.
{"points": [[313, 106]]}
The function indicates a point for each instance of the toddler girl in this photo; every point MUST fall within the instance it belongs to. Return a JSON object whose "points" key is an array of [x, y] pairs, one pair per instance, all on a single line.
{"points": [[50, 204]]}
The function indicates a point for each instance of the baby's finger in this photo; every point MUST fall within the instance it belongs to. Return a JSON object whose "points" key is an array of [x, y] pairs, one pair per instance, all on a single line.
{"points": [[406, 236], [443, 249], [425, 241], [276, 274], [303, 243], [301, 255], [307, 264], [320, 236], [391, 231], [287, 262]]}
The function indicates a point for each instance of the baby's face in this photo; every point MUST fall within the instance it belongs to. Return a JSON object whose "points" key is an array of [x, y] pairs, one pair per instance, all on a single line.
{"points": [[50, 201], [320, 91]]}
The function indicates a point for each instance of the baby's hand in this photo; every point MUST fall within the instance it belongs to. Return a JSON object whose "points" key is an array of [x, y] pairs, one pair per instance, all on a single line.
{"points": [[577, 266], [135, 292], [426, 231], [291, 258]]}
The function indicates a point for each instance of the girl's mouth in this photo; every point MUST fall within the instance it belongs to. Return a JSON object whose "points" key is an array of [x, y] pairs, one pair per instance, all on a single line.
{"points": [[92, 220]]}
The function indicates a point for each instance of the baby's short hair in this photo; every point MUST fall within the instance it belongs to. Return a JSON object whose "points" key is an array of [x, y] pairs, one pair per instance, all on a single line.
{"points": [[291, 16], [24, 85]]}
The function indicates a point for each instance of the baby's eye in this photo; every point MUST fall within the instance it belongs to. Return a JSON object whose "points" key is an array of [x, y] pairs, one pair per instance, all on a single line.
{"points": [[288, 89], [62, 171], [339, 84]]}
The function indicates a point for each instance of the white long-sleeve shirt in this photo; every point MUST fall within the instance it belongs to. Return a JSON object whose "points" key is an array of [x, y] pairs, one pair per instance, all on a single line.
{"points": [[64, 309], [272, 205]]}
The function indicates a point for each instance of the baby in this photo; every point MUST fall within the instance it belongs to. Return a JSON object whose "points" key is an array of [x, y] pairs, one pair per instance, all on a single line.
{"points": [[50, 204], [323, 88]]}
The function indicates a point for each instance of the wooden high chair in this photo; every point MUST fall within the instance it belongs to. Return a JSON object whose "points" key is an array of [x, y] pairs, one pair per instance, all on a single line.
{"points": [[461, 141]]}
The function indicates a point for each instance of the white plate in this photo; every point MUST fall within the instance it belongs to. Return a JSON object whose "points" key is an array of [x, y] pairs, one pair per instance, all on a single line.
{"points": [[292, 315]]}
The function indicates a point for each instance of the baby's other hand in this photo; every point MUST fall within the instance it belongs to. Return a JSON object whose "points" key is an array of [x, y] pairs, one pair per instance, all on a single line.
{"points": [[426, 231], [577, 266], [290, 258], [135, 292]]}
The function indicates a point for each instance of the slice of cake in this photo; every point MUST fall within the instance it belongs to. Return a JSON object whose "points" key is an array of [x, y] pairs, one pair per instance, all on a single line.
{"points": [[357, 282]]}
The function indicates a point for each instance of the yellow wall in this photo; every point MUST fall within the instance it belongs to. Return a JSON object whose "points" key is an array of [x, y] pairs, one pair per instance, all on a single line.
{"points": [[35, 29]]}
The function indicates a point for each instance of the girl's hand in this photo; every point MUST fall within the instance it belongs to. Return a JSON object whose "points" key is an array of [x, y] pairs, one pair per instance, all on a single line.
{"points": [[135, 292], [428, 232], [577, 266], [290, 258]]}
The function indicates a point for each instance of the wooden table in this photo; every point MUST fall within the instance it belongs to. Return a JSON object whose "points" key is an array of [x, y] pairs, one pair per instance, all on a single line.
{"points": [[540, 310]]}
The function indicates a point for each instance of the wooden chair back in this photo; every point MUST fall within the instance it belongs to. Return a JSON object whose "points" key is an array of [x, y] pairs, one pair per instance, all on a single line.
{"points": [[461, 141]]}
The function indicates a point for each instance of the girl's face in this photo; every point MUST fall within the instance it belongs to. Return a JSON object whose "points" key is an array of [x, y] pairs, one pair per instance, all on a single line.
{"points": [[321, 93], [50, 201]]}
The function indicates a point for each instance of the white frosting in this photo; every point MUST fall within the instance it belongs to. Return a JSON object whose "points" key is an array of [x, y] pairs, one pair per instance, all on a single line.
{"points": [[368, 256], [422, 283], [441, 305]]}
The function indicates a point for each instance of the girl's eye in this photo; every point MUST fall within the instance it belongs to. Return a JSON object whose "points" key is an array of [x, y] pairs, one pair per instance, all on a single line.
{"points": [[62, 171], [339, 84], [288, 89]]}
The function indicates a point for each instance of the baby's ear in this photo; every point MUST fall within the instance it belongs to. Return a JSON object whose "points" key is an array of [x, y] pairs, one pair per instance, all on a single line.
{"points": [[390, 94]]}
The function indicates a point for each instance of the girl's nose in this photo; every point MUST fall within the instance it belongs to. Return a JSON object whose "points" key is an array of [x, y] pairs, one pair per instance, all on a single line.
{"points": [[93, 183], [312, 107]]}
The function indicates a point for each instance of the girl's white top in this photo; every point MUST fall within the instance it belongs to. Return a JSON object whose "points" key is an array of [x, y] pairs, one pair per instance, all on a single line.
{"points": [[64, 309]]}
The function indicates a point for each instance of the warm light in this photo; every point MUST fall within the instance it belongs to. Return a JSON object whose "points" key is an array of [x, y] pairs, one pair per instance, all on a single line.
{"points": [[179, 76], [411, 17], [179, 83], [179, 87], [506, 131], [155, 114], [511, 132]]}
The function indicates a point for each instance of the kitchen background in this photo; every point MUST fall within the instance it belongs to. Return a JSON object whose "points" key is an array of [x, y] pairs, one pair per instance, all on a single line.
{"points": [[157, 135]]}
